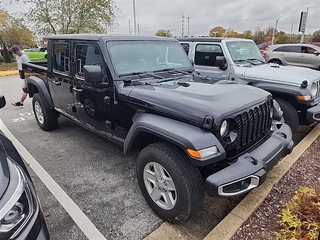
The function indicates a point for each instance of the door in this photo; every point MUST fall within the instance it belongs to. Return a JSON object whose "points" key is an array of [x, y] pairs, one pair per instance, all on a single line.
{"points": [[309, 58], [205, 55], [291, 55], [61, 83], [94, 101]]}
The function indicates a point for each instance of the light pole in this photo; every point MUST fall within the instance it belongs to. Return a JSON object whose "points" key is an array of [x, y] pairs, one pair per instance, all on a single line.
{"points": [[274, 30], [188, 25], [134, 17]]}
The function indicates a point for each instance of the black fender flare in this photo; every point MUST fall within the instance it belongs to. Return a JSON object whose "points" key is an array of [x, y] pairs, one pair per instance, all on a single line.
{"points": [[36, 85], [281, 89], [178, 133]]}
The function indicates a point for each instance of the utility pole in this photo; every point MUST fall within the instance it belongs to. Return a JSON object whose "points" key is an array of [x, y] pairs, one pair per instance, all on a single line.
{"points": [[274, 30], [188, 26], [134, 17], [182, 25], [291, 31]]}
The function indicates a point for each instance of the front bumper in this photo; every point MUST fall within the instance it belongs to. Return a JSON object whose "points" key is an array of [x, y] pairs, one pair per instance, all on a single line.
{"points": [[313, 113], [251, 168]]}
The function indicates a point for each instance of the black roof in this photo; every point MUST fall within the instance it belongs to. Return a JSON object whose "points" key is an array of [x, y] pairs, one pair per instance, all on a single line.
{"points": [[106, 37], [200, 39]]}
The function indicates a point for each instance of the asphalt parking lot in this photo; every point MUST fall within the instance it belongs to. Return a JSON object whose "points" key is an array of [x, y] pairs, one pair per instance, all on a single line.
{"points": [[87, 186]]}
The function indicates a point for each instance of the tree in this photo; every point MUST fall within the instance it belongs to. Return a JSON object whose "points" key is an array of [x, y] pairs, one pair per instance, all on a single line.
{"points": [[163, 33], [282, 38], [247, 34], [217, 32], [72, 16], [316, 33], [259, 36], [13, 31], [231, 33]]}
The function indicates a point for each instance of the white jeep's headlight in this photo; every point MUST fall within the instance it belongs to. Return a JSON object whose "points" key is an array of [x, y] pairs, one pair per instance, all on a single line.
{"points": [[314, 89], [224, 128]]}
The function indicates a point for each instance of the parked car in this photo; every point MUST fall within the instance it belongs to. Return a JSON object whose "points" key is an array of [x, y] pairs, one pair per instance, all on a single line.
{"points": [[303, 55], [142, 92], [296, 89], [35, 54], [21, 216]]}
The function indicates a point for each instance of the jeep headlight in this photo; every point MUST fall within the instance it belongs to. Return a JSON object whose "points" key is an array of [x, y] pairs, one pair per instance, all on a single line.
{"points": [[224, 127], [19, 203], [314, 89]]}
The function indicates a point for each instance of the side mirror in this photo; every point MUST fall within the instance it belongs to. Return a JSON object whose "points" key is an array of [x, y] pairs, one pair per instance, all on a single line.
{"points": [[221, 62], [2, 101], [92, 73], [316, 53]]}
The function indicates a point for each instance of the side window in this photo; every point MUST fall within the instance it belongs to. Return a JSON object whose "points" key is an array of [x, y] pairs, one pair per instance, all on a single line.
{"points": [[206, 54], [88, 55], [308, 50], [186, 47], [61, 61], [281, 49]]}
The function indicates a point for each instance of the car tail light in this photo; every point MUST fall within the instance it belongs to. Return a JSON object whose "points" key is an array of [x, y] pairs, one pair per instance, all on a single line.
{"points": [[264, 53]]}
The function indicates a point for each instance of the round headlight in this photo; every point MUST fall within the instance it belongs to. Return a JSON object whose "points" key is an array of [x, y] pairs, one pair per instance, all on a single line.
{"points": [[224, 128], [314, 89]]}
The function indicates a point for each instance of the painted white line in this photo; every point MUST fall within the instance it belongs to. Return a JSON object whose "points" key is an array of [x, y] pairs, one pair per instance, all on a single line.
{"points": [[73, 210]]}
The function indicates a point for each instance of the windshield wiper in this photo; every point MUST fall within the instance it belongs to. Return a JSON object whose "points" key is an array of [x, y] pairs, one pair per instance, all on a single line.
{"points": [[255, 59], [140, 74]]}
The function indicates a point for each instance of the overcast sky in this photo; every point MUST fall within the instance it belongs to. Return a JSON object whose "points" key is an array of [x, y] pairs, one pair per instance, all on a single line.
{"points": [[203, 15]]}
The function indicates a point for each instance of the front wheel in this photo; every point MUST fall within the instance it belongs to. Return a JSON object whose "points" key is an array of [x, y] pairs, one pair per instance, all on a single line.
{"points": [[290, 114], [46, 118], [170, 184]]}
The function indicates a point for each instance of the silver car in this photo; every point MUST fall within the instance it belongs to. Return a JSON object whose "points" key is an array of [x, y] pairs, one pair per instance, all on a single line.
{"points": [[303, 55]]}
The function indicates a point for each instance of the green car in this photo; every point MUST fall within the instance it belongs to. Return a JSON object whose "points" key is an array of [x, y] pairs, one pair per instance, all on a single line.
{"points": [[35, 54]]}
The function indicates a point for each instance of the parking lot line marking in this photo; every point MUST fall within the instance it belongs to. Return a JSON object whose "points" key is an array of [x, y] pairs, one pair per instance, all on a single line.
{"points": [[83, 222]]}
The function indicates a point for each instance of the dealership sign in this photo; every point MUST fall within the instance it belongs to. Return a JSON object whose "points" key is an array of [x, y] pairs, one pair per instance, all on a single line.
{"points": [[303, 21]]}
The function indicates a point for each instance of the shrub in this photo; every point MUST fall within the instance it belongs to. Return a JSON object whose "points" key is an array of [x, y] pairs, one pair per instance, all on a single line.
{"points": [[7, 56], [300, 219]]}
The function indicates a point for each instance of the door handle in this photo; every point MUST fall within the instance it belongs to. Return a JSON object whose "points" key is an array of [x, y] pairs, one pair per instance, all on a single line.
{"points": [[78, 90], [56, 83]]}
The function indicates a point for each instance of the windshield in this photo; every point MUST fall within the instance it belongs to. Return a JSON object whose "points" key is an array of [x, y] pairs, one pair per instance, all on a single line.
{"points": [[243, 51], [147, 56]]}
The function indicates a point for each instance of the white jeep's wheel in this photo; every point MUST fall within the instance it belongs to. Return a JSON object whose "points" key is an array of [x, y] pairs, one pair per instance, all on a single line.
{"points": [[169, 182]]}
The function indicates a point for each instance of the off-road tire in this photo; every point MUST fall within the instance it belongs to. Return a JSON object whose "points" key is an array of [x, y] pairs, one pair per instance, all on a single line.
{"points": [[290, 114], [46, 118], [166, 165]]}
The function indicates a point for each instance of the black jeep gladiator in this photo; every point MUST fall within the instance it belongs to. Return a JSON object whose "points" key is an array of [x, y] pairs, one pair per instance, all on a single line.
{"points": [[141, 92]]}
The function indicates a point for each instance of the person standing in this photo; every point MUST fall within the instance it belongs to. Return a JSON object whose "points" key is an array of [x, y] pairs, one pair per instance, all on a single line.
{"points": [[21, 58]]}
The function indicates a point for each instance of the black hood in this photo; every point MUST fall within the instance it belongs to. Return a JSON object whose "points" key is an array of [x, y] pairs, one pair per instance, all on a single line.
{"points": [[194, 101]]}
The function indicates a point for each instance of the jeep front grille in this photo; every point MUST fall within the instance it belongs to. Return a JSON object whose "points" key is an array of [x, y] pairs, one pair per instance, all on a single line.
{"points": [[253, 125]]}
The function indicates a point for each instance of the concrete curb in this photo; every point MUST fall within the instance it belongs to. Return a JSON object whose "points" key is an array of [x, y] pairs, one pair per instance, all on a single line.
{"points": [[8, 73], [234, 220]]}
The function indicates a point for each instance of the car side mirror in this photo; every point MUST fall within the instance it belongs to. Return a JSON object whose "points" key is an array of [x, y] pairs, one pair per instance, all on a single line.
{"points": [[2, 101], [316, 53], [221, 62], [92, 73]]}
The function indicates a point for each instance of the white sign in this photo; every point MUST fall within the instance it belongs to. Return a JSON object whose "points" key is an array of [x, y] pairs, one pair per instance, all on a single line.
{"points": [[303, 21]]}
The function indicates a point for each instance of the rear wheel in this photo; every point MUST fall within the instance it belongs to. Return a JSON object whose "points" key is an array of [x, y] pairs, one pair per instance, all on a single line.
{"points": [[277, 61], [169, 182], [290, 114], [46, 118]]}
